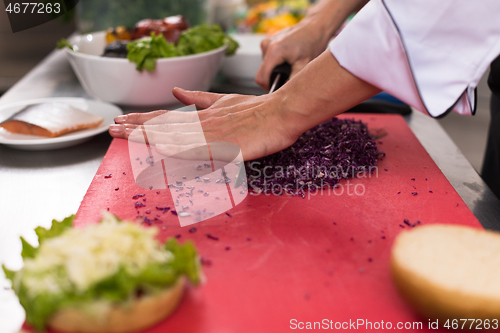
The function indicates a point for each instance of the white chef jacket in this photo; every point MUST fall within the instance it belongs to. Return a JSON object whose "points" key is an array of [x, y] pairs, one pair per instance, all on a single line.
{"points": [[430, 54]]}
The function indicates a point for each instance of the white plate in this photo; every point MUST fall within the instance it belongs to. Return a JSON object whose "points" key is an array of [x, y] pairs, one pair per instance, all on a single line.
{"points": [[33, 142]]}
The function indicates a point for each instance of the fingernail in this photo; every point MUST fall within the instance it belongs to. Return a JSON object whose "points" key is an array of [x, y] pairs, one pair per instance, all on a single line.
{"points": [[116, 128], [121, 119]]}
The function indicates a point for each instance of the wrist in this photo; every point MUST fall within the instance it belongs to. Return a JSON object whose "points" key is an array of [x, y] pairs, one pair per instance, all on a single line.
{"points": [[322, 90], [296, 108]]}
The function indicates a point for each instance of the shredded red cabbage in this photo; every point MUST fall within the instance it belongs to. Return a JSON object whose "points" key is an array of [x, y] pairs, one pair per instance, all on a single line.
{"points": [[334, 150]]}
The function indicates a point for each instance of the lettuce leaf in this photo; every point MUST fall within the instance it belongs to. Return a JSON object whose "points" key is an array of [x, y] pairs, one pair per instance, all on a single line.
{"points": [[145, 51], [40, 308], [201, 38], [8, 273], [185, 259], [115, 288], [55, 230], [28, 250]]}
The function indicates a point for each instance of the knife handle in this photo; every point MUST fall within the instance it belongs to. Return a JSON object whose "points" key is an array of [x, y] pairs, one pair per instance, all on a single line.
{"points": [[284, 70]]}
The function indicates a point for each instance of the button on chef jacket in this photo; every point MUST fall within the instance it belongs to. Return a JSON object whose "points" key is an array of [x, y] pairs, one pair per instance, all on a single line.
{"points": [[430, 54]]}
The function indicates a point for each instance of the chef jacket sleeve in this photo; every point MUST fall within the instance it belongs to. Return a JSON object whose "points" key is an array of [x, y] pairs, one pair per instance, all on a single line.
{"points": [[430, 54]]}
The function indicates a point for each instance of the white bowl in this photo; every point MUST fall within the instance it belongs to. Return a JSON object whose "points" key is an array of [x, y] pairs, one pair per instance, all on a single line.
{"points": [[116, 80], [243, 66]]}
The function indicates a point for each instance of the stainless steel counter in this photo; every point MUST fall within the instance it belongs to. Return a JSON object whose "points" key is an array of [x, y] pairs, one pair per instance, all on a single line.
{"points": [[459, 172], [36, 187]]}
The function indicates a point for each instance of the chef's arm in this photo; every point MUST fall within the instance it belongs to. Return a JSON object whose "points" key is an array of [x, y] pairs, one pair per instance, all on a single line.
{"points": [[322, 90], [304, 41]]}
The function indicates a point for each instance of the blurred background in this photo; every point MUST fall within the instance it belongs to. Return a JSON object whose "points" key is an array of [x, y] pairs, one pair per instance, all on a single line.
{"points": [[22, 51]]}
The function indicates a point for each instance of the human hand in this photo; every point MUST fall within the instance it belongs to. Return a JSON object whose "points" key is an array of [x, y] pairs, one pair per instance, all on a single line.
{"points": [[306, 40], [257, 124]]}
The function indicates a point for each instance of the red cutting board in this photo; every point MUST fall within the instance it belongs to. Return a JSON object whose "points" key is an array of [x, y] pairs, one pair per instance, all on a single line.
{"points": [[280, 258]]}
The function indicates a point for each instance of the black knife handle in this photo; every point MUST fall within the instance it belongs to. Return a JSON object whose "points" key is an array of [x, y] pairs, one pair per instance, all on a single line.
{"points": [[285, 69]]}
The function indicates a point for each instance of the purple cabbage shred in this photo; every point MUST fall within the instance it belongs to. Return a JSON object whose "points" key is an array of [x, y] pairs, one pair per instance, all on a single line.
{"points": [[164, 209], [139, 204], [210, 236]]}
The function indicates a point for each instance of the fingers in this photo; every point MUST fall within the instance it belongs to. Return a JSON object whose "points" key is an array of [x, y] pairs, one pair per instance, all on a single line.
{"points": [[177, 138], [124, 131], [138, 118], [157, 117], [272, 58], [117, 131], [201, 99], [168, 128], [176, 134]]}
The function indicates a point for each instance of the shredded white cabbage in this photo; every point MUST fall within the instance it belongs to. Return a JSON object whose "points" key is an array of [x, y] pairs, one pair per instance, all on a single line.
{"points": [[82, 257]]}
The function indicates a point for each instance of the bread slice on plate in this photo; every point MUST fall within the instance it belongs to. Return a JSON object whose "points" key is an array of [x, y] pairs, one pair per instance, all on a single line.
{"points": [[50, 120], [449, 272], [139, 315]]}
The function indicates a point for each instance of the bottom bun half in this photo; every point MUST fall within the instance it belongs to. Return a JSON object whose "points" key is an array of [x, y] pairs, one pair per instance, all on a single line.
{"points": [[140, 314]]}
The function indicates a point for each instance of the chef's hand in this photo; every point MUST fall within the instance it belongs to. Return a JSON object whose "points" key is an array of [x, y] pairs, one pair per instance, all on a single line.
{"points": [[301, 43], [296, 45], [254, 123], [259, 125]]}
